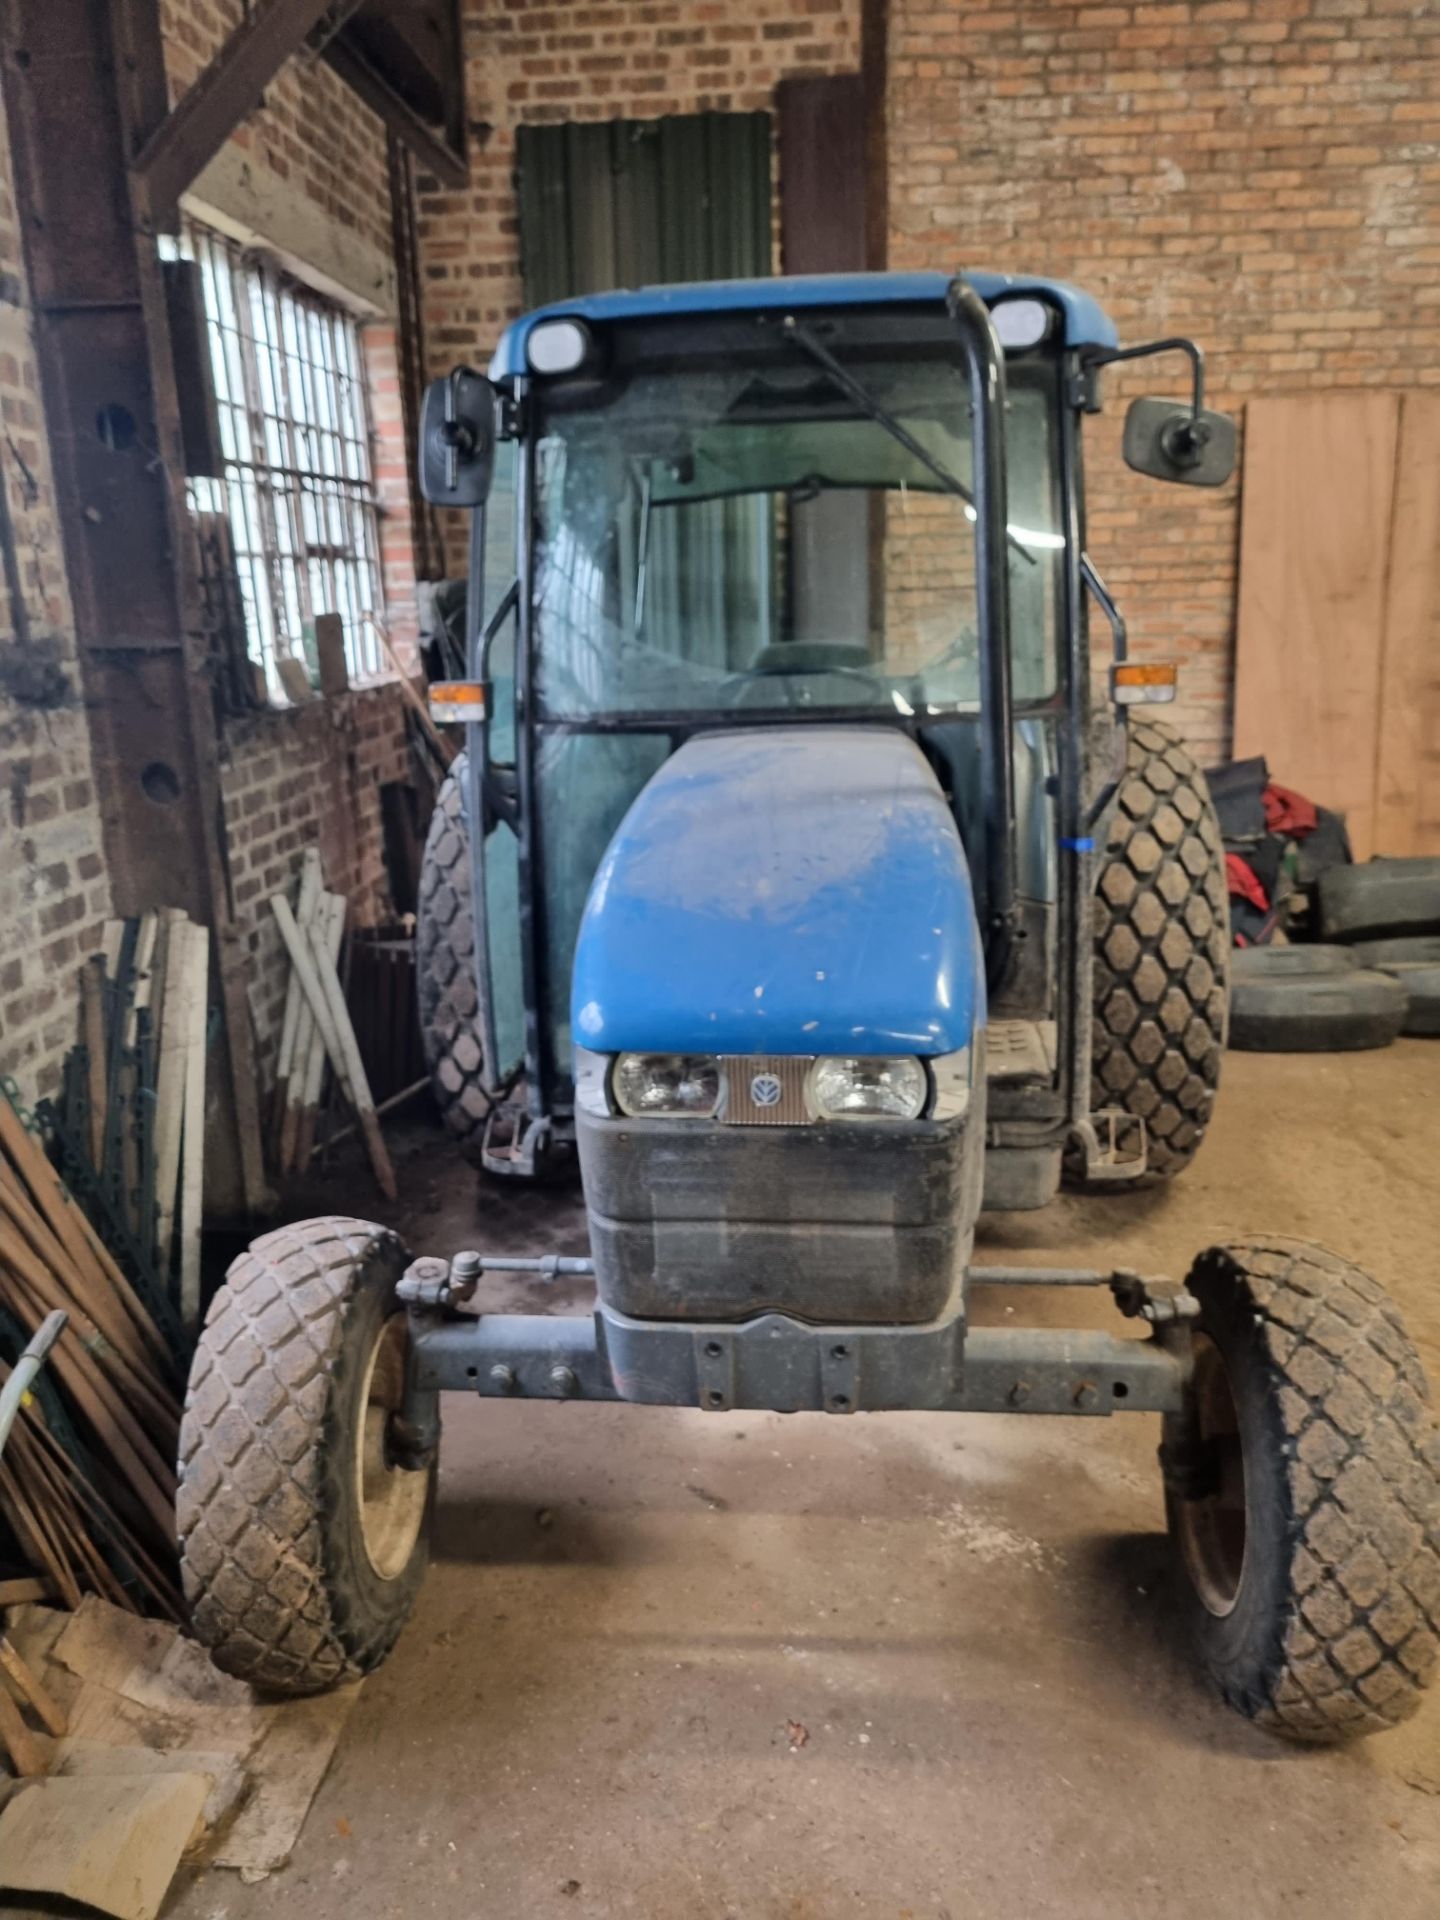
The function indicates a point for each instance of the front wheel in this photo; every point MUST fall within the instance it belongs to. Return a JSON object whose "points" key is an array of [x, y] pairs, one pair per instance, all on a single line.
{"points": [[303, 1535], [1303, 1494]]}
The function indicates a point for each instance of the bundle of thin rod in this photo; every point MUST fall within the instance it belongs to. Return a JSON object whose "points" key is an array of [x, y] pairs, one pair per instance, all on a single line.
{"points": [[94, 1507]]}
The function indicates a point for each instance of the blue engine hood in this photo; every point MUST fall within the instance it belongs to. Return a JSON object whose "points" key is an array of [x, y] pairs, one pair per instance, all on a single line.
{"points": [[791, 890]]}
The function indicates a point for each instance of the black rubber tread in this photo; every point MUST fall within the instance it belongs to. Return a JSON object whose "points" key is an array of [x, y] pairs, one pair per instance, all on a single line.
{"points": [[1317, 1013], [1162, 948], [1422, 996], [1285, 963], [1380, 897], [450, 1025], [1336, 1627], [1421, 949], [266, 1508]]}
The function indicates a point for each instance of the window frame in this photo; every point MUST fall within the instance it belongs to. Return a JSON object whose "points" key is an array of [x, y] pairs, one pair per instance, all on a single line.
{"points": [[298, 488]]}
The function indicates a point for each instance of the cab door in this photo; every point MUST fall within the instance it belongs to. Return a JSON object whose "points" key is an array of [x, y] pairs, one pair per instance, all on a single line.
{"points": [[494, 799]]}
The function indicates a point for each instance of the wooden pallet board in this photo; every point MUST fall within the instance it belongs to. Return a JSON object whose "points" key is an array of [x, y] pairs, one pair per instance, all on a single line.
{"points": [[1319, 486], [1337, 658], [1407, 748]]}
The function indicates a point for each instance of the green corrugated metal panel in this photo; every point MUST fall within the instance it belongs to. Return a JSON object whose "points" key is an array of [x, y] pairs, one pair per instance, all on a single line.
{"points": [[631, 203]]}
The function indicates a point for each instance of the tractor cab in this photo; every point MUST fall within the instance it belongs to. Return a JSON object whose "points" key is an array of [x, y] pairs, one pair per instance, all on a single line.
{"points": [[839, 502]]}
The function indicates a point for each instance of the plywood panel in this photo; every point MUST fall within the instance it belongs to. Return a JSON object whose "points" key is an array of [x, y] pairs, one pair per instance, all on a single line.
{"points": [[1314, 548], [1407, 757]]}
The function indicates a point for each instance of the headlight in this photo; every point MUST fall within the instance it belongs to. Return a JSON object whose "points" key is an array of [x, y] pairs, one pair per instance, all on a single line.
{"points": [[844, 1088], [667, 1083]]}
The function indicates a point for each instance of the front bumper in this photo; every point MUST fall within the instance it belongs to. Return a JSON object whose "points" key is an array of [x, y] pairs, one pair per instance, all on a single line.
{"points": [[694, 1220]]}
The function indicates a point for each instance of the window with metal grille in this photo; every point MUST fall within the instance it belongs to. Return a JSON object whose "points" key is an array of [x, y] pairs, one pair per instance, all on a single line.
{"points": [[298, 489]]}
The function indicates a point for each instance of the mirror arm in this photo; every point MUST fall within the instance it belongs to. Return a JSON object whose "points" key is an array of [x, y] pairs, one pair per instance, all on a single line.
{"points": [[1112, 356]]}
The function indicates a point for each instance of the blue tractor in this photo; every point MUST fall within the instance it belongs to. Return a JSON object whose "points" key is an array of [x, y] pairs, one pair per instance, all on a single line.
{"points": [[796, 876]]}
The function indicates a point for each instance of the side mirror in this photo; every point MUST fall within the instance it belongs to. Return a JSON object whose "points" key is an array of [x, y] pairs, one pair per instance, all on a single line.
{"points": [[457, 440], [1169, 441]]}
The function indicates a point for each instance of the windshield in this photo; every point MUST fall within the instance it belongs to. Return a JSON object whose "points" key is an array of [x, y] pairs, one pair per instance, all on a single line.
{"points": [[754, 537]]}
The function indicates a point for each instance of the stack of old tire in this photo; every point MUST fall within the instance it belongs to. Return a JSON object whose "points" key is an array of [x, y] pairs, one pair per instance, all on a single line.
{"points": [[1373, 974]]}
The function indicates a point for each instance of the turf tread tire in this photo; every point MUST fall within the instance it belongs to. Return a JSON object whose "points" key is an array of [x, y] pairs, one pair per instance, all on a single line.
{"points": [[1340, 1631], [1162, 943], [268, 1559], [449, 997]]}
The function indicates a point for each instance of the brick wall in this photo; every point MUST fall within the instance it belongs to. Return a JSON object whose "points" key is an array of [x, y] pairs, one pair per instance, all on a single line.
{"points": [[528, 61], [1262, 173], [53, 890], [310, 130]]}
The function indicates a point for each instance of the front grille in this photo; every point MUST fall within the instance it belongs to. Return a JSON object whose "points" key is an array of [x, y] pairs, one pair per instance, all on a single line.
{"points": [[764, 1090]]}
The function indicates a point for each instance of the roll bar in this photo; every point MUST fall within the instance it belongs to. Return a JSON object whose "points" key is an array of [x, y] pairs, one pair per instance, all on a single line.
{"points": [[985, 365]]}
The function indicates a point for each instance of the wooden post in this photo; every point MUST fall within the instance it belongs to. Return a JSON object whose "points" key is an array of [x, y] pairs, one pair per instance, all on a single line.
{"points": [[321, 985], [170, 1082], [329, 934], [193, 1163], [306, 898], [92, 1000]]}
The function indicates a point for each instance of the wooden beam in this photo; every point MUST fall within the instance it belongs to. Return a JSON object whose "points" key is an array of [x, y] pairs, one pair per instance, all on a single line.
{"points": [[227, 90], [426, 143], [875, 74]]}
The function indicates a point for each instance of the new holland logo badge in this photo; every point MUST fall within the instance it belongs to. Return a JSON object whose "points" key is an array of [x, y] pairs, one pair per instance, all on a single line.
{"points": [[765, 1090]]}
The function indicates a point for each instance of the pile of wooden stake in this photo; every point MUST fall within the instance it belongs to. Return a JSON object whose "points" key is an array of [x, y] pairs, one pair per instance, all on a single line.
{"points": [[317, 1029], [88, 1487]]}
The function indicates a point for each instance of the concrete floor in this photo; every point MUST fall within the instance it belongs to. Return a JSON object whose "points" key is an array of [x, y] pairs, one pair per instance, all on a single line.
{"points": [[911, 1666]]}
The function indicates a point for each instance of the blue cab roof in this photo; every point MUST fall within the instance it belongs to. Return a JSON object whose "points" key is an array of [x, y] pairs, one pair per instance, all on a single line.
{"points": [[1086, 322]]}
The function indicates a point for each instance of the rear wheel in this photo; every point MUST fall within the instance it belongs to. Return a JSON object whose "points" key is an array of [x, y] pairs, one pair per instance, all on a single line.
{"points": [[1162, 943], [450, 1024], [303, 1532], [1303, 1495]]}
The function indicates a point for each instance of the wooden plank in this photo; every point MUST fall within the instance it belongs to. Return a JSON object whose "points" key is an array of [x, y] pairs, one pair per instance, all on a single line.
{"points": [[354, 1071], [1315, 519], [170, 1081], [1407, 748], [18, 1593], [329, 929], [17, 1669], [27, 1754], [306, 896], [286, 1768], [192, 1160], [92, 1001], [144, 979], [106, 1842], [76, 1759]]}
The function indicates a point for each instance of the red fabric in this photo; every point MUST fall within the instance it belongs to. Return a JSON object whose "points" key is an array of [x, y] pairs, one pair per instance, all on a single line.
{"points": [[1241, 880], [1289, 812]]}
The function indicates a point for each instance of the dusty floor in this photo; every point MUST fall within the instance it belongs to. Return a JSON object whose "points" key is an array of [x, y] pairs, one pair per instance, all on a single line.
{"points": [[633, 1614]]}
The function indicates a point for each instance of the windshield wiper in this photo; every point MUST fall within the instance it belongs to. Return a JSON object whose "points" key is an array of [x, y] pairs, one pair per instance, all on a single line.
{"points": [[882, 417]]}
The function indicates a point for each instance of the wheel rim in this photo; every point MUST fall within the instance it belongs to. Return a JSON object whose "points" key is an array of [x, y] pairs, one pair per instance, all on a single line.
{"points": [[1213, 1531], [391, 1498]]}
